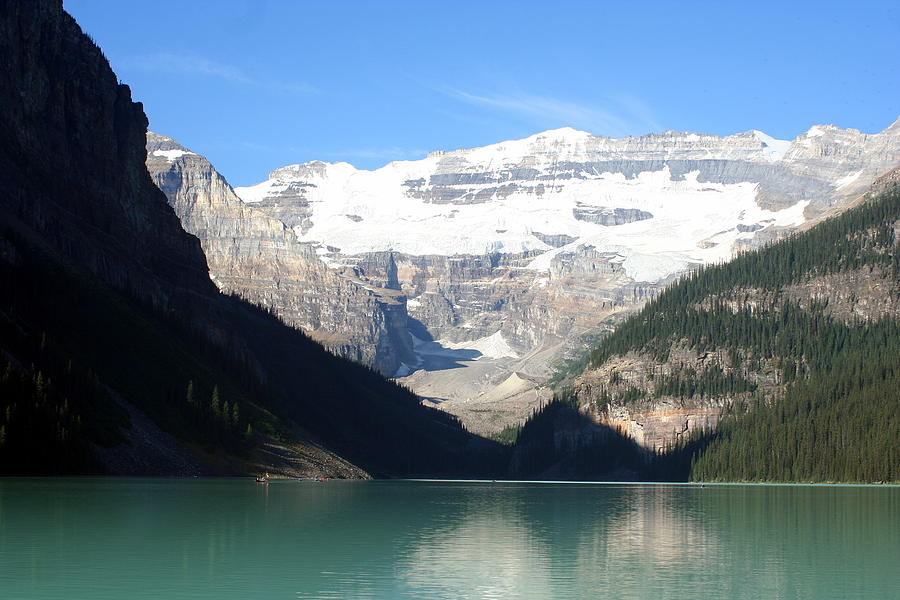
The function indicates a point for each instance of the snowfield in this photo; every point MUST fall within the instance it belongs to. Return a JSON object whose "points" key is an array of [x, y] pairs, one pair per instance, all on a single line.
{"points": [[497, 210]]}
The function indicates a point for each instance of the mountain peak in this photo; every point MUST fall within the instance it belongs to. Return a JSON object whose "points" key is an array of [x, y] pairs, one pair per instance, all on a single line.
{"points": [[561, 133], [820, 130], [774, 149], [165, 147]]}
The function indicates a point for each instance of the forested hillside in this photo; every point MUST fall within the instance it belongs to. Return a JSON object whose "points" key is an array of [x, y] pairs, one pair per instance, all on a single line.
{"points": [[76, 352], [794, 350]]}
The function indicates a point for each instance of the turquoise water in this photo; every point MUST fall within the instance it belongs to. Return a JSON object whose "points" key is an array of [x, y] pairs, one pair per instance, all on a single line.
{"points": [[230, 538]]}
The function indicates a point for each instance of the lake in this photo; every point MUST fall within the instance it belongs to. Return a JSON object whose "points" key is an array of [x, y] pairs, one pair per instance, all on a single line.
{"points": [[98, 538]]}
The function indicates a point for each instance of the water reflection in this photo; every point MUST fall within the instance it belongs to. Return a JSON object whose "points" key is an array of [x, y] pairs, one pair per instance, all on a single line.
{"points": [[530, 541], [533, 541], [489, 550], [232, 539], [648, 546]]}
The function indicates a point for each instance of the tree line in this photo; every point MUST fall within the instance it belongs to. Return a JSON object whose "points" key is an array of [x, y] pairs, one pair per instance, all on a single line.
{"points": [[835, 412]]}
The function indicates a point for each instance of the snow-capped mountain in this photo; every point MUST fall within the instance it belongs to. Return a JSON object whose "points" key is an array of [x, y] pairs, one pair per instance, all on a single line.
{"points": [[505, 255], [657, 202]]}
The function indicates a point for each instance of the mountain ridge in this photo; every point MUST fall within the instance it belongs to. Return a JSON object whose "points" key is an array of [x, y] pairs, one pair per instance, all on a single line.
{"points": [[537, 242], [568, 133]]}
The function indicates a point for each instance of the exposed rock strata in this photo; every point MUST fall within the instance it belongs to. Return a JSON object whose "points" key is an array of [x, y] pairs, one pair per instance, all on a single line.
{"points": [[656, 422], [258, 257], [529, 244]]}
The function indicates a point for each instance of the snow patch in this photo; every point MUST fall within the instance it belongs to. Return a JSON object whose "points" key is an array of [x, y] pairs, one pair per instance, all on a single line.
{"points": [[543, 261], [171, 155], [846, 180], [775, 149], [815, 131], [325, 256], [260, 191], [492, 346]]}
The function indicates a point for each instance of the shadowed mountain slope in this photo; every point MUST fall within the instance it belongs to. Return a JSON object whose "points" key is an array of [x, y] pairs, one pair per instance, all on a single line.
{"points": [[118, 353], [781, 365]]}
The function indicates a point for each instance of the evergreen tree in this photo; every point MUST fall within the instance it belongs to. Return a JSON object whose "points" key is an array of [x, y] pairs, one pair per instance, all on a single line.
{"points": [[830, 410]]}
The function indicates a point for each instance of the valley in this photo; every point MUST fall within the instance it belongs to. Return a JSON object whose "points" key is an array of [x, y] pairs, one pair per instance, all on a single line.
{"points": [[433, 301], [472, 275], [669, 306]]}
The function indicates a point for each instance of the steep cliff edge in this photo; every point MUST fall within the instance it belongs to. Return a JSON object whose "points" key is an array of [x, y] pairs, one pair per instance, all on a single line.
{"points": [[64, 112], [259, 258], [117, 353]]}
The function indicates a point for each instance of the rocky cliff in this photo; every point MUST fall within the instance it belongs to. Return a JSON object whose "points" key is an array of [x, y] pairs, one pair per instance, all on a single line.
{"points": [[624, 392], [257, 256], [117, 352], [64, 112], [503, 257]]}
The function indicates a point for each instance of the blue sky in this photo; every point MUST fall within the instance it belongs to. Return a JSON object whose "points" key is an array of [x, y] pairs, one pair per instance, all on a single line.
{"points": [[255, 85]]}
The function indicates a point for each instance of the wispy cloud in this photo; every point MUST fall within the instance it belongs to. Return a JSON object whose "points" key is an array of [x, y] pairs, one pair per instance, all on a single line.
{"points": [[614, 116], [168, 62], [388, 153]]}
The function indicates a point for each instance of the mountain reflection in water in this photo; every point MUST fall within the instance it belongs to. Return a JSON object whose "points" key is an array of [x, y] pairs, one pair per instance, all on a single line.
{"points": [[228, 538]]}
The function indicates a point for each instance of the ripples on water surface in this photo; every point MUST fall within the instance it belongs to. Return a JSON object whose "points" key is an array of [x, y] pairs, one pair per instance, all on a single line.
{"points": [[228, 538]]}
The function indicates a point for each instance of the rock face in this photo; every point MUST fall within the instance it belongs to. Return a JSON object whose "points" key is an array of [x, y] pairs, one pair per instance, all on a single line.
{"points": [[504, 256], [74, 190], [656, 422], [653, 422], [65, 113], [258, 257], [98, 277]]}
